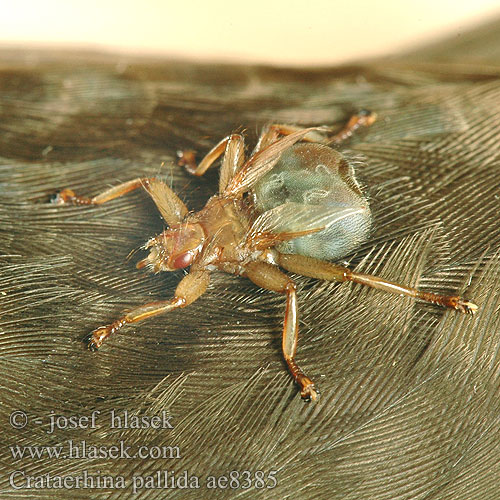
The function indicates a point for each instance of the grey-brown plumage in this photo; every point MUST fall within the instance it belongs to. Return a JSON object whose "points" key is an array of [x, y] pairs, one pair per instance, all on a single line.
{"points": [[409, 406]]}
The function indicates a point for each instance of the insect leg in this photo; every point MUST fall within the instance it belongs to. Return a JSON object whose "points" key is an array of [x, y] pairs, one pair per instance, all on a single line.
{"points": [[192, 286], [319, 269], [363, 118], [69, 196], [271, 278], [274, 131], [169, 204], [187, 158]]}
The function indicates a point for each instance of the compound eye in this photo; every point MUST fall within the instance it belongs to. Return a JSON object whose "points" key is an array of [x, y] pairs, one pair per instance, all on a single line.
{"points": [[183, 260]]}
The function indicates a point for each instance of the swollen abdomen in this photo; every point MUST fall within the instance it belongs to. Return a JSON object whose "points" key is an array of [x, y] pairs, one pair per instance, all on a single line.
{"points": [[317, 182]]}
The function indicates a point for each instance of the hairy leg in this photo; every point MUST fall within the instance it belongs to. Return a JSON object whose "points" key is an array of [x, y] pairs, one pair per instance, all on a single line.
{"points": [[319, 269], [232, 148], [69, 196], [191, 287], [169, 204], [270, 277], [363, 118]]}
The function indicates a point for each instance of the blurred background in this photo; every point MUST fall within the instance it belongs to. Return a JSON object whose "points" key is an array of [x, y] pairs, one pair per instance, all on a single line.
{"points": [[283, 32]]}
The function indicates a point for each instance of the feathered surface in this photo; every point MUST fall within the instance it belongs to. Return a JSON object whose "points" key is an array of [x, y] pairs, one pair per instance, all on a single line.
{"points": [[410, 393]]}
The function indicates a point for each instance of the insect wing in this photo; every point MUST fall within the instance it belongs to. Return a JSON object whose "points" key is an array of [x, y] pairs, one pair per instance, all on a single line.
{"points": [[234, 158], [262, 162], [294, 217]]}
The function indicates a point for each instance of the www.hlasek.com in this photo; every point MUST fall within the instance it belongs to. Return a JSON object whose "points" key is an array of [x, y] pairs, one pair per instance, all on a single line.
{"points": [[83, 450], [162, 479]]}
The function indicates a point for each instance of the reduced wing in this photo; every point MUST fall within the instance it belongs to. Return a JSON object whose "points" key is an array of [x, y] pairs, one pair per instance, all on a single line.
{"points": [[262, 162]]}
